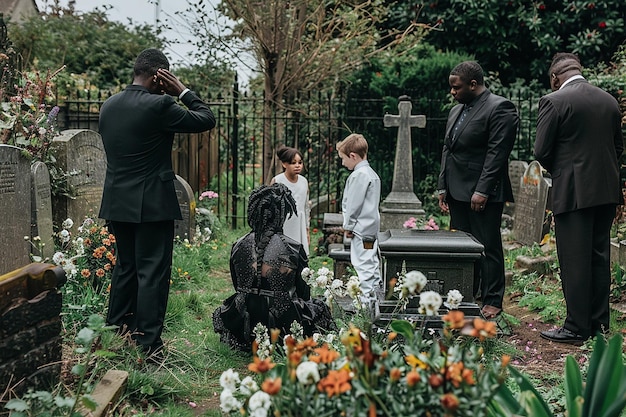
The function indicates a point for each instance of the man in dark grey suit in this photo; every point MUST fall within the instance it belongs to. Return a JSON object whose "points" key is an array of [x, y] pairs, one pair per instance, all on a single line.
{"points": [[579, 141], [139, 199], [474, 181]]}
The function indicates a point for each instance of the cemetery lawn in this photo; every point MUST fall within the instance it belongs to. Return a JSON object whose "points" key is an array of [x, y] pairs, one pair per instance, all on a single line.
{"points": [[186, 383]]}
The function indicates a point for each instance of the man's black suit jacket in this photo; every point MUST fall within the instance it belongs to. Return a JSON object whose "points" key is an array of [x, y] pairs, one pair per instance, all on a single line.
{"points": [[579, 149], [137, 129], [477, 159]]}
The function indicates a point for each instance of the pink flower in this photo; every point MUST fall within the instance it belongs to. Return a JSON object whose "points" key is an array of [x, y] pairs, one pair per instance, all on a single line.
{"points": [[208, 194], [431, 225], [411, 223]]}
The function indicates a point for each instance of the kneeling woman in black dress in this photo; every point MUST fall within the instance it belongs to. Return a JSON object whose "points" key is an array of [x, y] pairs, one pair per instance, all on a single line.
{"points": [[271, 292]]}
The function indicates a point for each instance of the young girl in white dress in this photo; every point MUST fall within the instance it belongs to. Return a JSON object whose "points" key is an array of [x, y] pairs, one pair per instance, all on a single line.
{"points": [[296, 226]]}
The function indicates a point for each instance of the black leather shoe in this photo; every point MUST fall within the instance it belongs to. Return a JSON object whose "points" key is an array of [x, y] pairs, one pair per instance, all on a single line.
{"points": [[562, 335]]}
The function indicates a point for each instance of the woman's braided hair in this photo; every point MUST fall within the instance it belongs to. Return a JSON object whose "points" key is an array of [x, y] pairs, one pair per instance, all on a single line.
{"points": [[268, 207]]}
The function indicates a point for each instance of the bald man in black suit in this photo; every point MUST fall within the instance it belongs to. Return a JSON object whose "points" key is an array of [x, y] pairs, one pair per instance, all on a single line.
{"points": [[139, 199], [579, 141]]}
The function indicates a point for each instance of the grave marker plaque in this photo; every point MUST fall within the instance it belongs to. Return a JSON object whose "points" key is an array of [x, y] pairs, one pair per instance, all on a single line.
{"points": [[530, 205], [80, 153], [15, 207], [41, 210]]}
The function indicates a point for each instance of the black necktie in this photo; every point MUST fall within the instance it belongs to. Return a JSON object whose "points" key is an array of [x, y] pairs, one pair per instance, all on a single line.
{"points": [[459, 121]]}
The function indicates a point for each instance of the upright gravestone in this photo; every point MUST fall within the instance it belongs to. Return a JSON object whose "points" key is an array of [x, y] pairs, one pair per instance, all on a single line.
{"points": [[185, 228], [41, 211], [402, 203], [516, 172], [14, 208], [530, 205], [80, 153]]}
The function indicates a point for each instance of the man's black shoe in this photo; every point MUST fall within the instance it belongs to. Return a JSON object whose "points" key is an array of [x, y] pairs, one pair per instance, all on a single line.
{"points": [[562, 335]]}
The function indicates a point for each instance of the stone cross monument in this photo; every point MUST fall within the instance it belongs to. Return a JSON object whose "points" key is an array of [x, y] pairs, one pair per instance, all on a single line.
{"points": [[402, 203]]}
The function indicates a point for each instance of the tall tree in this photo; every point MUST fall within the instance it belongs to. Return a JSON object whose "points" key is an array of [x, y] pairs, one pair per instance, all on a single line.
{"points": [[298, 45], [86, 43]]}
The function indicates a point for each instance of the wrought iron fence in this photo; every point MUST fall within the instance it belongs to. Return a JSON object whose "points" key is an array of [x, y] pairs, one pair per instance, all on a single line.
{"points": [[229, 159]]}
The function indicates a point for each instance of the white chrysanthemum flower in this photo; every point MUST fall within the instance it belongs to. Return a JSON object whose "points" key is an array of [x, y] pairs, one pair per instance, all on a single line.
{"points": [[248, 386], [228, 402], [70, 269], [229, 380], [325, 271], [306, 272], [67, 223], [58, 258], [307, 373], [321, 280], [430, 301], [337, 284], [413, 282], [88, 223], [259, 412], [353, 287], [454, 299], [64, 235], [259, 400]]}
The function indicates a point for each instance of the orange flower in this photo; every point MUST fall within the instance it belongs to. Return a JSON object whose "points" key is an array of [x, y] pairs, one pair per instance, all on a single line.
{"points": [[275, 333], [455, 319], [480, 329], [412, 378], [505, 360], [468, 376], [290, 342], [107, 267], [335, 383], [261, 366], [87, 241], [306, 344], [372, 410], [272, 386], [100, 272], [435, 380], [85, 273], [295, 358], [324, 355], [112, 238], [453, 373], [395, 374], [450, 402]]}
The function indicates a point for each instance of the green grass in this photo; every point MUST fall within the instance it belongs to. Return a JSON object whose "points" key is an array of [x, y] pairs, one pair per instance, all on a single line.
{"points": [[196, 358]]}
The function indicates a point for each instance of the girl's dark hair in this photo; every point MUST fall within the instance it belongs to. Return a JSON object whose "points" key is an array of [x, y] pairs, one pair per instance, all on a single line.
{"points": [[268, 207], [286, 154]]}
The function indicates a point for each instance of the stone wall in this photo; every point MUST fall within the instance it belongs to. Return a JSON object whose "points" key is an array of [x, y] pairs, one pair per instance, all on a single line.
{"points": [[30, 327]]}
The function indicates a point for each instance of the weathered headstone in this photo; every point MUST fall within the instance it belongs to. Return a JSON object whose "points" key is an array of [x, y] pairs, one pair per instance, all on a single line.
{"points": [[15, 207], [516, 172], [41, 211], [530, 205], [80, 153], [402, 203], [185, 228]]}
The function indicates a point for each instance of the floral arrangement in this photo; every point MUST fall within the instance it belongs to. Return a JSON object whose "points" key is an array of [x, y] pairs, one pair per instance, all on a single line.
{"points": [[414, 223], [89, 256], [405, 370], [332, 288], [407, 373], [206, 218]]}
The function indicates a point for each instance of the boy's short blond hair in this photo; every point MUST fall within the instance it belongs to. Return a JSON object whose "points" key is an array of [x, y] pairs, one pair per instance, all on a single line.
{"points": [[353, 143]]}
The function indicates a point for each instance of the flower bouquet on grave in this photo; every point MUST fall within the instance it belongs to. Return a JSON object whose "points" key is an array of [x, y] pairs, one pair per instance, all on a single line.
{"points": [[405, 372], [421, 224]]}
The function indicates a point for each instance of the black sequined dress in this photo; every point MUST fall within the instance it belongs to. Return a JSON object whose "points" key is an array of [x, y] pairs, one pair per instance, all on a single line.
{"points": [[276, 297]]}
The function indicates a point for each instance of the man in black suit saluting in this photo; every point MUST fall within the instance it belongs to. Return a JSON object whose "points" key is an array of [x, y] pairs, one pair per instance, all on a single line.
{"points": [[579, 141], [139, 199], [474, 180]]}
